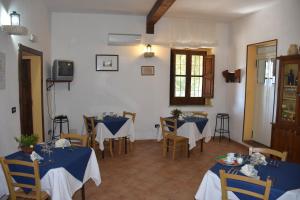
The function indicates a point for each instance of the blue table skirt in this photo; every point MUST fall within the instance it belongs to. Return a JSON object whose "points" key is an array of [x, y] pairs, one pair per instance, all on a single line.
{"points": [[113, 123], [286, 175], [73, 159]]}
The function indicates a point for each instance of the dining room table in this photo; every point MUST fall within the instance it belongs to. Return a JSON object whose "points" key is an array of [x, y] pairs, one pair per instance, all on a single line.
{"points": [[63, 171], [194, 128], [285, 177], [112, 127]]}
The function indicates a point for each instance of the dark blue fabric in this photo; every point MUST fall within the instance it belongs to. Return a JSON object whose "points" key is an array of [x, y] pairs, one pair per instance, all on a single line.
{"points": [[286, 175], [113, 123], [73, 159], [199, 121]]}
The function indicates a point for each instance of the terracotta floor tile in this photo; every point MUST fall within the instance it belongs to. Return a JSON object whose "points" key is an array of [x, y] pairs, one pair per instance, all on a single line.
{"points": [[145, 174]]}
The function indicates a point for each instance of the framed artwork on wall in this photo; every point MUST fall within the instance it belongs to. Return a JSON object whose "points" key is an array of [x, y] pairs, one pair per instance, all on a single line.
{"points": [[105, 62], [147, 70]]}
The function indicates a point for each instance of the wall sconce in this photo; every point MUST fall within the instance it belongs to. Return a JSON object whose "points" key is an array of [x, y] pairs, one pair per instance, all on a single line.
{"points": [[14, 19], [15, 27], [148, 53]]}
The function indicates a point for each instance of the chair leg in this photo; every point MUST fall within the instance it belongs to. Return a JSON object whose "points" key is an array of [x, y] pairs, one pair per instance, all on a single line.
{"points": [[188, 148], [125, 144], [202, 145], [120, 144], [83, 192], [164, 147], [111, 147], [174, 149]]}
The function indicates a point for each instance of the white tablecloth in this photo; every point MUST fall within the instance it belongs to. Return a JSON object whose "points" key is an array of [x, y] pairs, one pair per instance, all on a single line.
{"points": [[104, 133], [210, 188], [191, 131], [59, 183]]}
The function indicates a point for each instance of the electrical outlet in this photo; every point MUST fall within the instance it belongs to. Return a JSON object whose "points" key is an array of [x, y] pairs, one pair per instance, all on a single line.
{"points": [[156, 125], [13, 109]]}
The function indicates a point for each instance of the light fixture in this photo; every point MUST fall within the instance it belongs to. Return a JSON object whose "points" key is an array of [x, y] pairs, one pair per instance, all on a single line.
{"points": [[15, 27], [15, 18], [148, 53]]}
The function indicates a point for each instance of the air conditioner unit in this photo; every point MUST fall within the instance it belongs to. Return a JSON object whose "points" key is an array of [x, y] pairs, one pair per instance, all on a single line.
{"points": [[123, 39]]}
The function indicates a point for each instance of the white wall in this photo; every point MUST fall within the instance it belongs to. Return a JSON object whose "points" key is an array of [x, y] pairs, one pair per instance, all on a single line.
{"points": [[79, 37], [281, 22], [35, 16]]}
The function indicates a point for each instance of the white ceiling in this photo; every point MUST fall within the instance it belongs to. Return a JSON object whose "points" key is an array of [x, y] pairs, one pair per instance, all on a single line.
{"points": [[223, 10]]}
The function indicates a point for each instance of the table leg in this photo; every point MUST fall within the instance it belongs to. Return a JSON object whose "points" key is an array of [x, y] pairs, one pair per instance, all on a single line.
{"points": [[202, 145], [125, 145], [82, 192]]}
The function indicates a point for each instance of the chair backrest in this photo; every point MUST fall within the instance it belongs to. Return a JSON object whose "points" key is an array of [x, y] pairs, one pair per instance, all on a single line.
{"points": [[89, 123], [168, 126], [80, 140], [12, 184], [199, 114], [224, 187], [129, 114], [267, 151]]}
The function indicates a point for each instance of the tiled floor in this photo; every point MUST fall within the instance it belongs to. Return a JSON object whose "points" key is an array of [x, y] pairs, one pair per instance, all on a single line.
{"points": [[145, 174]]}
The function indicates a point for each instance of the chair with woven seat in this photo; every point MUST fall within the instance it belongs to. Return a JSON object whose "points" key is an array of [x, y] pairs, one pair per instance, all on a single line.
{"points": [[75, 139], [169, 132], [267, 151], [130, 115], [92, 132], [225, 188], [14, 187]]}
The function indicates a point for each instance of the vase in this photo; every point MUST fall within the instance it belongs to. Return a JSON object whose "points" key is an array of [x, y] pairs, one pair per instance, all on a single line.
{"points": [[293, 49], [27, 150]]}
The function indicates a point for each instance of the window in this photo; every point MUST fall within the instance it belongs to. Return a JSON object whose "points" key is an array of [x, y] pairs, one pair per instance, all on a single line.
{"points": [[191, 79]]}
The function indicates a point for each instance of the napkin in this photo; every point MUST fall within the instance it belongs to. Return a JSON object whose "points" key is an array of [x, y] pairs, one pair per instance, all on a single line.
{"points": [[35, 156], [62, 143], [258, 159], [249, 170]]}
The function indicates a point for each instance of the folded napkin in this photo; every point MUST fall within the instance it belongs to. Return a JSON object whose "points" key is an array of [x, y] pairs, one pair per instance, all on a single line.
{"points": [[62, 143], [250, 171], [35, 156], [258, 159]]}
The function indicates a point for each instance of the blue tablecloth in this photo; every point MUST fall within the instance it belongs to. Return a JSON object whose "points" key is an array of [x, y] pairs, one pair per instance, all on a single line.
{"points": [[286, 175], [113, 123], [199, 121], [73, 159]]}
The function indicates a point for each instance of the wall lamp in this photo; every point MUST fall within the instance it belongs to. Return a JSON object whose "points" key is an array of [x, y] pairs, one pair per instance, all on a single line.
{"points": [[15, 27], [148, 53]]}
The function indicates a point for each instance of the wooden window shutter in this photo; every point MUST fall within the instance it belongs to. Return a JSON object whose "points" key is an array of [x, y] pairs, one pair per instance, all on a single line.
{"points": [[208, 76]]}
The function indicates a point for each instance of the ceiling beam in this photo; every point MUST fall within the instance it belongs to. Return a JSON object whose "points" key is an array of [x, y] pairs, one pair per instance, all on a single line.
{"points": [[158, 10]]}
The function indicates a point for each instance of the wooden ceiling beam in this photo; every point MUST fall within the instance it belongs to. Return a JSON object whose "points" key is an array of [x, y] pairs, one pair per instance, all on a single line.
{"points": [[158, 10]]}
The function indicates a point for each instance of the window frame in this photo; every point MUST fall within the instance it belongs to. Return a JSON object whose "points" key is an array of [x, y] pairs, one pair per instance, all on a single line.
{"points": [[187, 100]]}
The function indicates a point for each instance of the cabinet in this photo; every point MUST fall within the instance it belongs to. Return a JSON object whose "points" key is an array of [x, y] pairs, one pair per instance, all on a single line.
{"points": [[286, 129]]}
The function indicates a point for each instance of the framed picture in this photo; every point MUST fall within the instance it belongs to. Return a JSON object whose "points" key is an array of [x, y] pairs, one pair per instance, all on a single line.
{"points": [[107, 62], [147, 70]]}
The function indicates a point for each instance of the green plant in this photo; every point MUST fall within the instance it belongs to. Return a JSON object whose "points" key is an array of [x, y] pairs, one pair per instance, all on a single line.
{"points": [[176, 113], [27, 140]]}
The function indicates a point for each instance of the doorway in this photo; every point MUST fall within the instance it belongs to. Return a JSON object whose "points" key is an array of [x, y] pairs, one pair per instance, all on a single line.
{"points": [[260, 93], [31, 91]]}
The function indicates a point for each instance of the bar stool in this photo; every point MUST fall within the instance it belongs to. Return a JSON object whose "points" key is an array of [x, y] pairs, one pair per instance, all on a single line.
{"points": [[222, 117], [61, 119]]}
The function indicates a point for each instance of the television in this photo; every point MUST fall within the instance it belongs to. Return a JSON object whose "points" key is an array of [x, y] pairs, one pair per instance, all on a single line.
{"points": [[63, 70]]}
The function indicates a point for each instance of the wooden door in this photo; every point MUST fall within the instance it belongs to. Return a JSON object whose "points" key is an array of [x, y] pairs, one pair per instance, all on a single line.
{"points": [[25, 97]]}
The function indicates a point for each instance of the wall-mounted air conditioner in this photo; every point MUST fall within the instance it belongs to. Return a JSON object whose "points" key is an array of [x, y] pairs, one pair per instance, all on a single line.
{"points": [[124, 39]]}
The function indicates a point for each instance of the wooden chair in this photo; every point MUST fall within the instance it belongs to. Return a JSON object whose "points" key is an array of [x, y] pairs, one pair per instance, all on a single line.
{"points": [[14, 187], [169, 132], [80, 140], [224, 187], [267, 151], [92, 132], [131, 116]]}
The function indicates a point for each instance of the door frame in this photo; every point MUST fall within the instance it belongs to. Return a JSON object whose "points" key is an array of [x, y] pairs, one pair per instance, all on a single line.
{"points": [[245, 95], [22, 49]]}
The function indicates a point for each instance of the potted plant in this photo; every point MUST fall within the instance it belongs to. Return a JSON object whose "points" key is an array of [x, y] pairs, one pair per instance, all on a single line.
{"points": [[27, 142], [176, 113]]}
